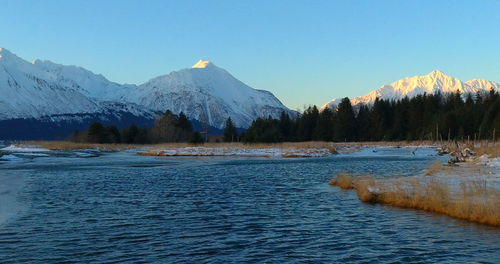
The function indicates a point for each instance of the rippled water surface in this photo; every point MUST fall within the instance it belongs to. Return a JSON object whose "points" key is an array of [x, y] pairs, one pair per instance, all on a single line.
{"points": [[122, 208]]}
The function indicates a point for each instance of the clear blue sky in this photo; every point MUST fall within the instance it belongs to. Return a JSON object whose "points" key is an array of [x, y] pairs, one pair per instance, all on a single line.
{"points": [[305, 52]]}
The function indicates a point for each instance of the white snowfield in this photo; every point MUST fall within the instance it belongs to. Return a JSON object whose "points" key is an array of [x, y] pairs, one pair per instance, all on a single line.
{"points": [[431, 83], [204, 92], [241, 152]]}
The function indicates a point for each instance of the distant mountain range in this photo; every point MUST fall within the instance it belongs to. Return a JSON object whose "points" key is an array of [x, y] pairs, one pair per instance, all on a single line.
{"points": [[433, 82], [43, 99]]}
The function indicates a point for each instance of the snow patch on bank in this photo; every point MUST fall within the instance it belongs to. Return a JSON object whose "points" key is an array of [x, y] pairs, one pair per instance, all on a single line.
{"points": [[490, 162], [241, 152], [24, 148], [378, 151]]}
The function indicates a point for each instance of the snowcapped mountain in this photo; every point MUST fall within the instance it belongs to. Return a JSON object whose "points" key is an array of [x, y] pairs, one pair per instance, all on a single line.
{"points": [[433, 82], [209, 94], [43, 90], [46, 100], [28, 91]]}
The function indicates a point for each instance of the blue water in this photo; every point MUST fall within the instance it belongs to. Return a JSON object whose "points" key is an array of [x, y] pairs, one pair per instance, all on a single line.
{"points": [[123, 208]]}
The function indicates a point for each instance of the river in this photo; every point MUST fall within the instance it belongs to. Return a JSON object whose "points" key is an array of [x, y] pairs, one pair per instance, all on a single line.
{"points": [[124, 208]]}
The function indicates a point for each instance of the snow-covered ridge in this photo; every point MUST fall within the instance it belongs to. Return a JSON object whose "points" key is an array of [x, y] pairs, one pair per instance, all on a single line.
{"points": [[26, 90], [433, 82], [88, 83], [204, 92]]}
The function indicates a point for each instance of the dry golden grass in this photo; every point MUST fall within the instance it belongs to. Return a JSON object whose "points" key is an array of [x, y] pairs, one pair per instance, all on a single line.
{"points": [[490, 149], [342, 180], [435, 168], [473, 201], [363, 190], [68, 145], [481, 147]]}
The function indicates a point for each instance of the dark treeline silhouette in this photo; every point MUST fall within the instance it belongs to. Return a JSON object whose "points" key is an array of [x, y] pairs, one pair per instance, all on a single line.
{"points": [[424, 117], [167, 128]]}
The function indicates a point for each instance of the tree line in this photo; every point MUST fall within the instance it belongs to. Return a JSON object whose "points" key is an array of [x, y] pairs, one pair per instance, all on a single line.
{"points": [[167, 128], [450, 116], [436, 116]]}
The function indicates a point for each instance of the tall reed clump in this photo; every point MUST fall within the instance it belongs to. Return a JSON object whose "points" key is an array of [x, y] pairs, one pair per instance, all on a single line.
{"points": [[342, 180], [473, 200]]}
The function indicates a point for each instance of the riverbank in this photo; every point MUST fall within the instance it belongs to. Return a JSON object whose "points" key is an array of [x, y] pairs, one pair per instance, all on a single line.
{"points": [[468, 191], [264, 150], [284, 150], [68, 145]]}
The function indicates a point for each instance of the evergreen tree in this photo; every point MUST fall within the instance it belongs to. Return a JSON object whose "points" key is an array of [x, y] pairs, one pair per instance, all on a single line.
{"points": [[492, 106], [307, 124], [285, 126], [230, 134], [400, 120], [345, 122], [184, 123], [363, 123], [196, 138], [96, 133], [130, 134], [263, 130], [324, 126], [114, 134]]}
